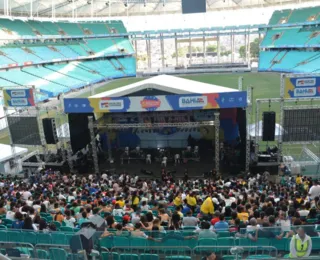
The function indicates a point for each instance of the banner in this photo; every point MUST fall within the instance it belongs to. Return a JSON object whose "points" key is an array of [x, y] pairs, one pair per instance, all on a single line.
{"points": [[156, 103], [302, 87], [18, 97]]}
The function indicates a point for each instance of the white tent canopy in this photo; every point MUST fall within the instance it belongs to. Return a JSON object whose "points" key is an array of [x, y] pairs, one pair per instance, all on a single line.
{"points": [[166, 83], [252, 130], [6, 152]]}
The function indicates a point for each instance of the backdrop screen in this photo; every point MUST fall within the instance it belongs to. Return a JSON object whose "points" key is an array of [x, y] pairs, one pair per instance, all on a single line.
{"points": [[24, 130], [301, 125], [193, 6]]}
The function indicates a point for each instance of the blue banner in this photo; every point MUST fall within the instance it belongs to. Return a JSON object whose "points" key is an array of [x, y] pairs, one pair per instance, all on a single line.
{"points": [[156, 103]]}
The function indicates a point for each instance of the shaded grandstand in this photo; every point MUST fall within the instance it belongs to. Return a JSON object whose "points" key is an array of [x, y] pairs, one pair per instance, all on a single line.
{"points": [[292, 49], [59, 57]]}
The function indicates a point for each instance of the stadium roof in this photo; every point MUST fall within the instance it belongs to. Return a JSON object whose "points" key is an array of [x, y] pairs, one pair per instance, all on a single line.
{"points": [[166, 83], [106, 8]]}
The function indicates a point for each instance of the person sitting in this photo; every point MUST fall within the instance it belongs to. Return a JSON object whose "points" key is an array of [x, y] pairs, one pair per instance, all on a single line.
{"points": [[205, 231], [300, 245], [189, 220], [221, 224]]}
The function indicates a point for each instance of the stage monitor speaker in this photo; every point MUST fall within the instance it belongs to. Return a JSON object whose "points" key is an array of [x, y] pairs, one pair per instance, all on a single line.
{"points": [[50, 130], [79, 131], [269, 126], [194, 6]]}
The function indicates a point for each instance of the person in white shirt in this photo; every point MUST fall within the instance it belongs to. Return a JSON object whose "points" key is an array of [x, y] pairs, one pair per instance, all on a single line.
{"points": [[164, 161], [314, 190], [117, 212], [177, 159], [303, 212], [69, 220], [148, 159], [26, 194]]}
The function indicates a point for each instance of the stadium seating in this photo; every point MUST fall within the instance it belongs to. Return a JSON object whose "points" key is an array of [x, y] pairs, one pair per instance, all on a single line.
{"points": [[275, 55], [53, 79]]}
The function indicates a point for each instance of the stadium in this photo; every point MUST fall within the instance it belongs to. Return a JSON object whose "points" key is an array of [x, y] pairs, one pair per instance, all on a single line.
{"points": [[159, 129]]}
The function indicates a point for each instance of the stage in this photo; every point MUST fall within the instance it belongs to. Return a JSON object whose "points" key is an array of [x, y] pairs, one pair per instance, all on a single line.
{"points": [[159, 113]]}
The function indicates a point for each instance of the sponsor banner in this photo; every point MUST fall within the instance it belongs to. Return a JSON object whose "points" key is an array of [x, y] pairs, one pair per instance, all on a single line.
{"points": [[156, 103], [18, 97], [302, 87]]}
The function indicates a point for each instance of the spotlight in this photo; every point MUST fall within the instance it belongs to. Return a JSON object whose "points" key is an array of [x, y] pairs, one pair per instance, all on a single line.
{"points": [[89, 2], [125, 4], [107, 3]]}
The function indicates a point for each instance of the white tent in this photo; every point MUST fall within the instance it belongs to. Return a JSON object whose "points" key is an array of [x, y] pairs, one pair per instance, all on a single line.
{"points": [[252, 130]]}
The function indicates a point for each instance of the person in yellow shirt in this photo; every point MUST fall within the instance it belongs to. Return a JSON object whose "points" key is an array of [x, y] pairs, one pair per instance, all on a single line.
{"points": [[191, 201], [207, 208], [242, 215], [299, 180], [177, 199], [135, 201], [120, 201]]}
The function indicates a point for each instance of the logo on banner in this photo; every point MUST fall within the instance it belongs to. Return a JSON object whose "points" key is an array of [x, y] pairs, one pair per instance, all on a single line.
{"points": [[308, 82], [19, 102], [150, 103], [111, 104], [18, 93], [305, 92], [195, 101]]}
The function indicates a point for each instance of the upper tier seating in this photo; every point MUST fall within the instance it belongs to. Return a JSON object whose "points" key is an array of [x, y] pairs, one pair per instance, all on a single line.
{"points": [[300, 60], [38, 28], [53, 79]]}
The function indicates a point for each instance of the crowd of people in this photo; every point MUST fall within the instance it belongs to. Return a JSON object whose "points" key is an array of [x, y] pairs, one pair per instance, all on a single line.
{"points": [[250, 206]]}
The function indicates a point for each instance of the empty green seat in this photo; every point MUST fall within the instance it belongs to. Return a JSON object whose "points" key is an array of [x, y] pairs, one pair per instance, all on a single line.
{"points": [[129, 257], [178, 257], [14, 236], [42, 254], [29, 237], [138, 242], [67, 229], [3, 227], [59, 238], [149, 257], [57, 254], [106, 242], [43, 238], [3, 236]]}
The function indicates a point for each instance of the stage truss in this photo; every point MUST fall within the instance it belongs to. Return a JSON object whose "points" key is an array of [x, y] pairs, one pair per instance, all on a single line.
{"points": [[283, 106], [215, 123], [38, 112]]}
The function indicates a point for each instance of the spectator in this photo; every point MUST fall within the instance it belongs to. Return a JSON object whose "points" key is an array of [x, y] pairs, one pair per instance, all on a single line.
{"points": [[221, 224], [189, 220], [205, 231], [300, 245], [18, 221]]}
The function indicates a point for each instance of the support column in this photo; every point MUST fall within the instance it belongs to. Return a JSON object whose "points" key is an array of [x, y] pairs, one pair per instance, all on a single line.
{"points": [[93, 145], [148, 44], [176, 48], [217, 141], [257, 130], [190, 50], [246, 47], [249, 55], [218, 47], [204, 49], [162, 50]]}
